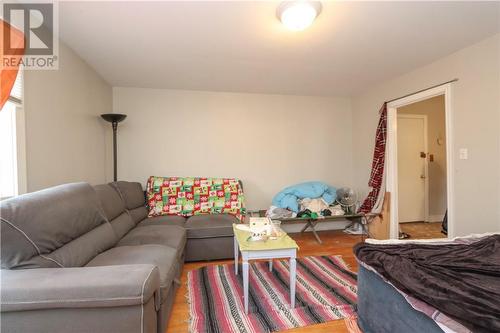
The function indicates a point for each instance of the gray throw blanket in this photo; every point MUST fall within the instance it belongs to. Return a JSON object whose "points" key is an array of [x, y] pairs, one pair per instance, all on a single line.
{"points": [[460, 280]]}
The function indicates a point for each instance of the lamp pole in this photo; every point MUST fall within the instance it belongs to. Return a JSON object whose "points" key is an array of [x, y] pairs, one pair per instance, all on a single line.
{"points": [[114, 119]]}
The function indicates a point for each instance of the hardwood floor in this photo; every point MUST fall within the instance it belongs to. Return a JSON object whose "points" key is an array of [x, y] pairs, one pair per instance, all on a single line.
{"points": [[334, 242], [422, 230]]}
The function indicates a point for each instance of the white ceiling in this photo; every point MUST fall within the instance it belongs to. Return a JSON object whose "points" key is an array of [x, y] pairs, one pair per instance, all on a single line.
{"points": [[241, 46]]}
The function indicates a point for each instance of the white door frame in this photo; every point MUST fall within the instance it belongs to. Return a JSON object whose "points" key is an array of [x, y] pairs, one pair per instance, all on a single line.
{"points": [[426, 165], [392, 153]]}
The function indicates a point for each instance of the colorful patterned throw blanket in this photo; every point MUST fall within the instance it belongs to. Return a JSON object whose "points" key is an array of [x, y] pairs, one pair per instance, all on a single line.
{"points": [[190, 196]]}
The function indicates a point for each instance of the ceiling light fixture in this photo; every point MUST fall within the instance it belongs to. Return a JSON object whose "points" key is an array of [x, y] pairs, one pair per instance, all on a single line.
{"points": [[298, 15]]}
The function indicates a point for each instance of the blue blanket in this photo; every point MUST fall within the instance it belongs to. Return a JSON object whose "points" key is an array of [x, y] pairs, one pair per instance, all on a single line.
{"points": [[288, 197]]}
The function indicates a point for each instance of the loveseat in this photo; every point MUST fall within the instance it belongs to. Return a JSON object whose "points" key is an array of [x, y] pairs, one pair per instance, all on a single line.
{"points": [[77, 258]]}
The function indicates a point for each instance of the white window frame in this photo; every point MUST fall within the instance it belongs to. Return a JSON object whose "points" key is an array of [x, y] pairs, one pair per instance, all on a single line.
{"points": [[19, 140], [22, 184]]}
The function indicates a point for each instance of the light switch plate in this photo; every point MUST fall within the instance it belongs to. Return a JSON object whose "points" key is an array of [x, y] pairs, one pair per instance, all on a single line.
{"points": [[463, 153]]}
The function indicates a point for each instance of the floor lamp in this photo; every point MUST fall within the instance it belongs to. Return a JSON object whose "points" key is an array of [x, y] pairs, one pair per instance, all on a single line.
{"points": [[114, 119]]}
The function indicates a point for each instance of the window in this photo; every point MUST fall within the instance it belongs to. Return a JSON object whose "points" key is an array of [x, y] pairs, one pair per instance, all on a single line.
{"points": [[12, 143]]}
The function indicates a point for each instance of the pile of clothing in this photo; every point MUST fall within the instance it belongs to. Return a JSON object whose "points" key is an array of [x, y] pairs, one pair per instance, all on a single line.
{"points": [[307, 200]]}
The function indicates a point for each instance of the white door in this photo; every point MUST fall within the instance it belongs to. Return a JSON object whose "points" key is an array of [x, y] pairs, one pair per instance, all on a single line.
{"points": [[411, 167]]}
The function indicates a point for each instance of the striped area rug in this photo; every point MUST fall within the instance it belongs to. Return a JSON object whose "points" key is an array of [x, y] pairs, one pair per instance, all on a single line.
{"points": [[325, 290]]}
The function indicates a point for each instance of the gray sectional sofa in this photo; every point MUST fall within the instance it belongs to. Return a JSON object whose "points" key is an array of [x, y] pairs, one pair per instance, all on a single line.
{"points": [[77, 258]]}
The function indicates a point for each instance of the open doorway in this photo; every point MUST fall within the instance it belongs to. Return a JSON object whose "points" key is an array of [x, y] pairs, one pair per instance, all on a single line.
{"points": [[422, 165], [421, 154]]}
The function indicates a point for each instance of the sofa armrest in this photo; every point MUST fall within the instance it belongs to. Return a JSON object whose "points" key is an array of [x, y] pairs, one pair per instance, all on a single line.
{"points": [[79, 287]]}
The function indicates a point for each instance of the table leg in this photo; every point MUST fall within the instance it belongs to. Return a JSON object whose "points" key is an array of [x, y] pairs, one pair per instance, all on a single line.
{"points": [[308, 224], [292, 281], [236, 251], [245, 284], [315, 233], [271, 265]]}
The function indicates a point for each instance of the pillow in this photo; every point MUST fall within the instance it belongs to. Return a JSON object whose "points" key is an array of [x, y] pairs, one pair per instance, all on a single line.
{"points": [[190, 196]]}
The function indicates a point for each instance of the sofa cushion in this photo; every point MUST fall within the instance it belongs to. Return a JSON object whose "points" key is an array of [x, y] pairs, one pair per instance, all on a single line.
{"points": [[133, 197], [138, 214], [163, 257], [111, 201], [35, 225], [76, 287], [168, 235], [82, 249], [206, 226], [164, 220], [122, 224], [132, 194], [114, 207], [214, 248]]}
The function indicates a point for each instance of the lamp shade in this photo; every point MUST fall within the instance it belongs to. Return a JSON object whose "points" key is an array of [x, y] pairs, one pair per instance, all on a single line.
{"points": [[113, 117]]}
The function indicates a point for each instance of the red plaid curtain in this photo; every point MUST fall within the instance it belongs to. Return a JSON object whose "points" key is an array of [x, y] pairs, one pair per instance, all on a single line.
{"points": [[377, 174]]}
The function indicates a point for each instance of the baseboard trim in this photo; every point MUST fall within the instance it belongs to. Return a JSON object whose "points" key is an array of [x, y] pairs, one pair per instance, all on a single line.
{"points": [[435, 218]]}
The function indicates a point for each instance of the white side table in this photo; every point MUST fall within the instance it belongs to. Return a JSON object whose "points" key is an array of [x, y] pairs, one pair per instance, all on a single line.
{"points": [[285, 247]]}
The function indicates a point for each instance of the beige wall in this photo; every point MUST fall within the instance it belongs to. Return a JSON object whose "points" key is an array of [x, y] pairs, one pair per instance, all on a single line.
{"points": [[433, 108], [476, 126], [64, 136], [268, 141]]}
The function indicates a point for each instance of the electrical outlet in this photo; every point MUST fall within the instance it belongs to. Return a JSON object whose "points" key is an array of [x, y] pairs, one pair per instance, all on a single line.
{"points": [[463, 153]]}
